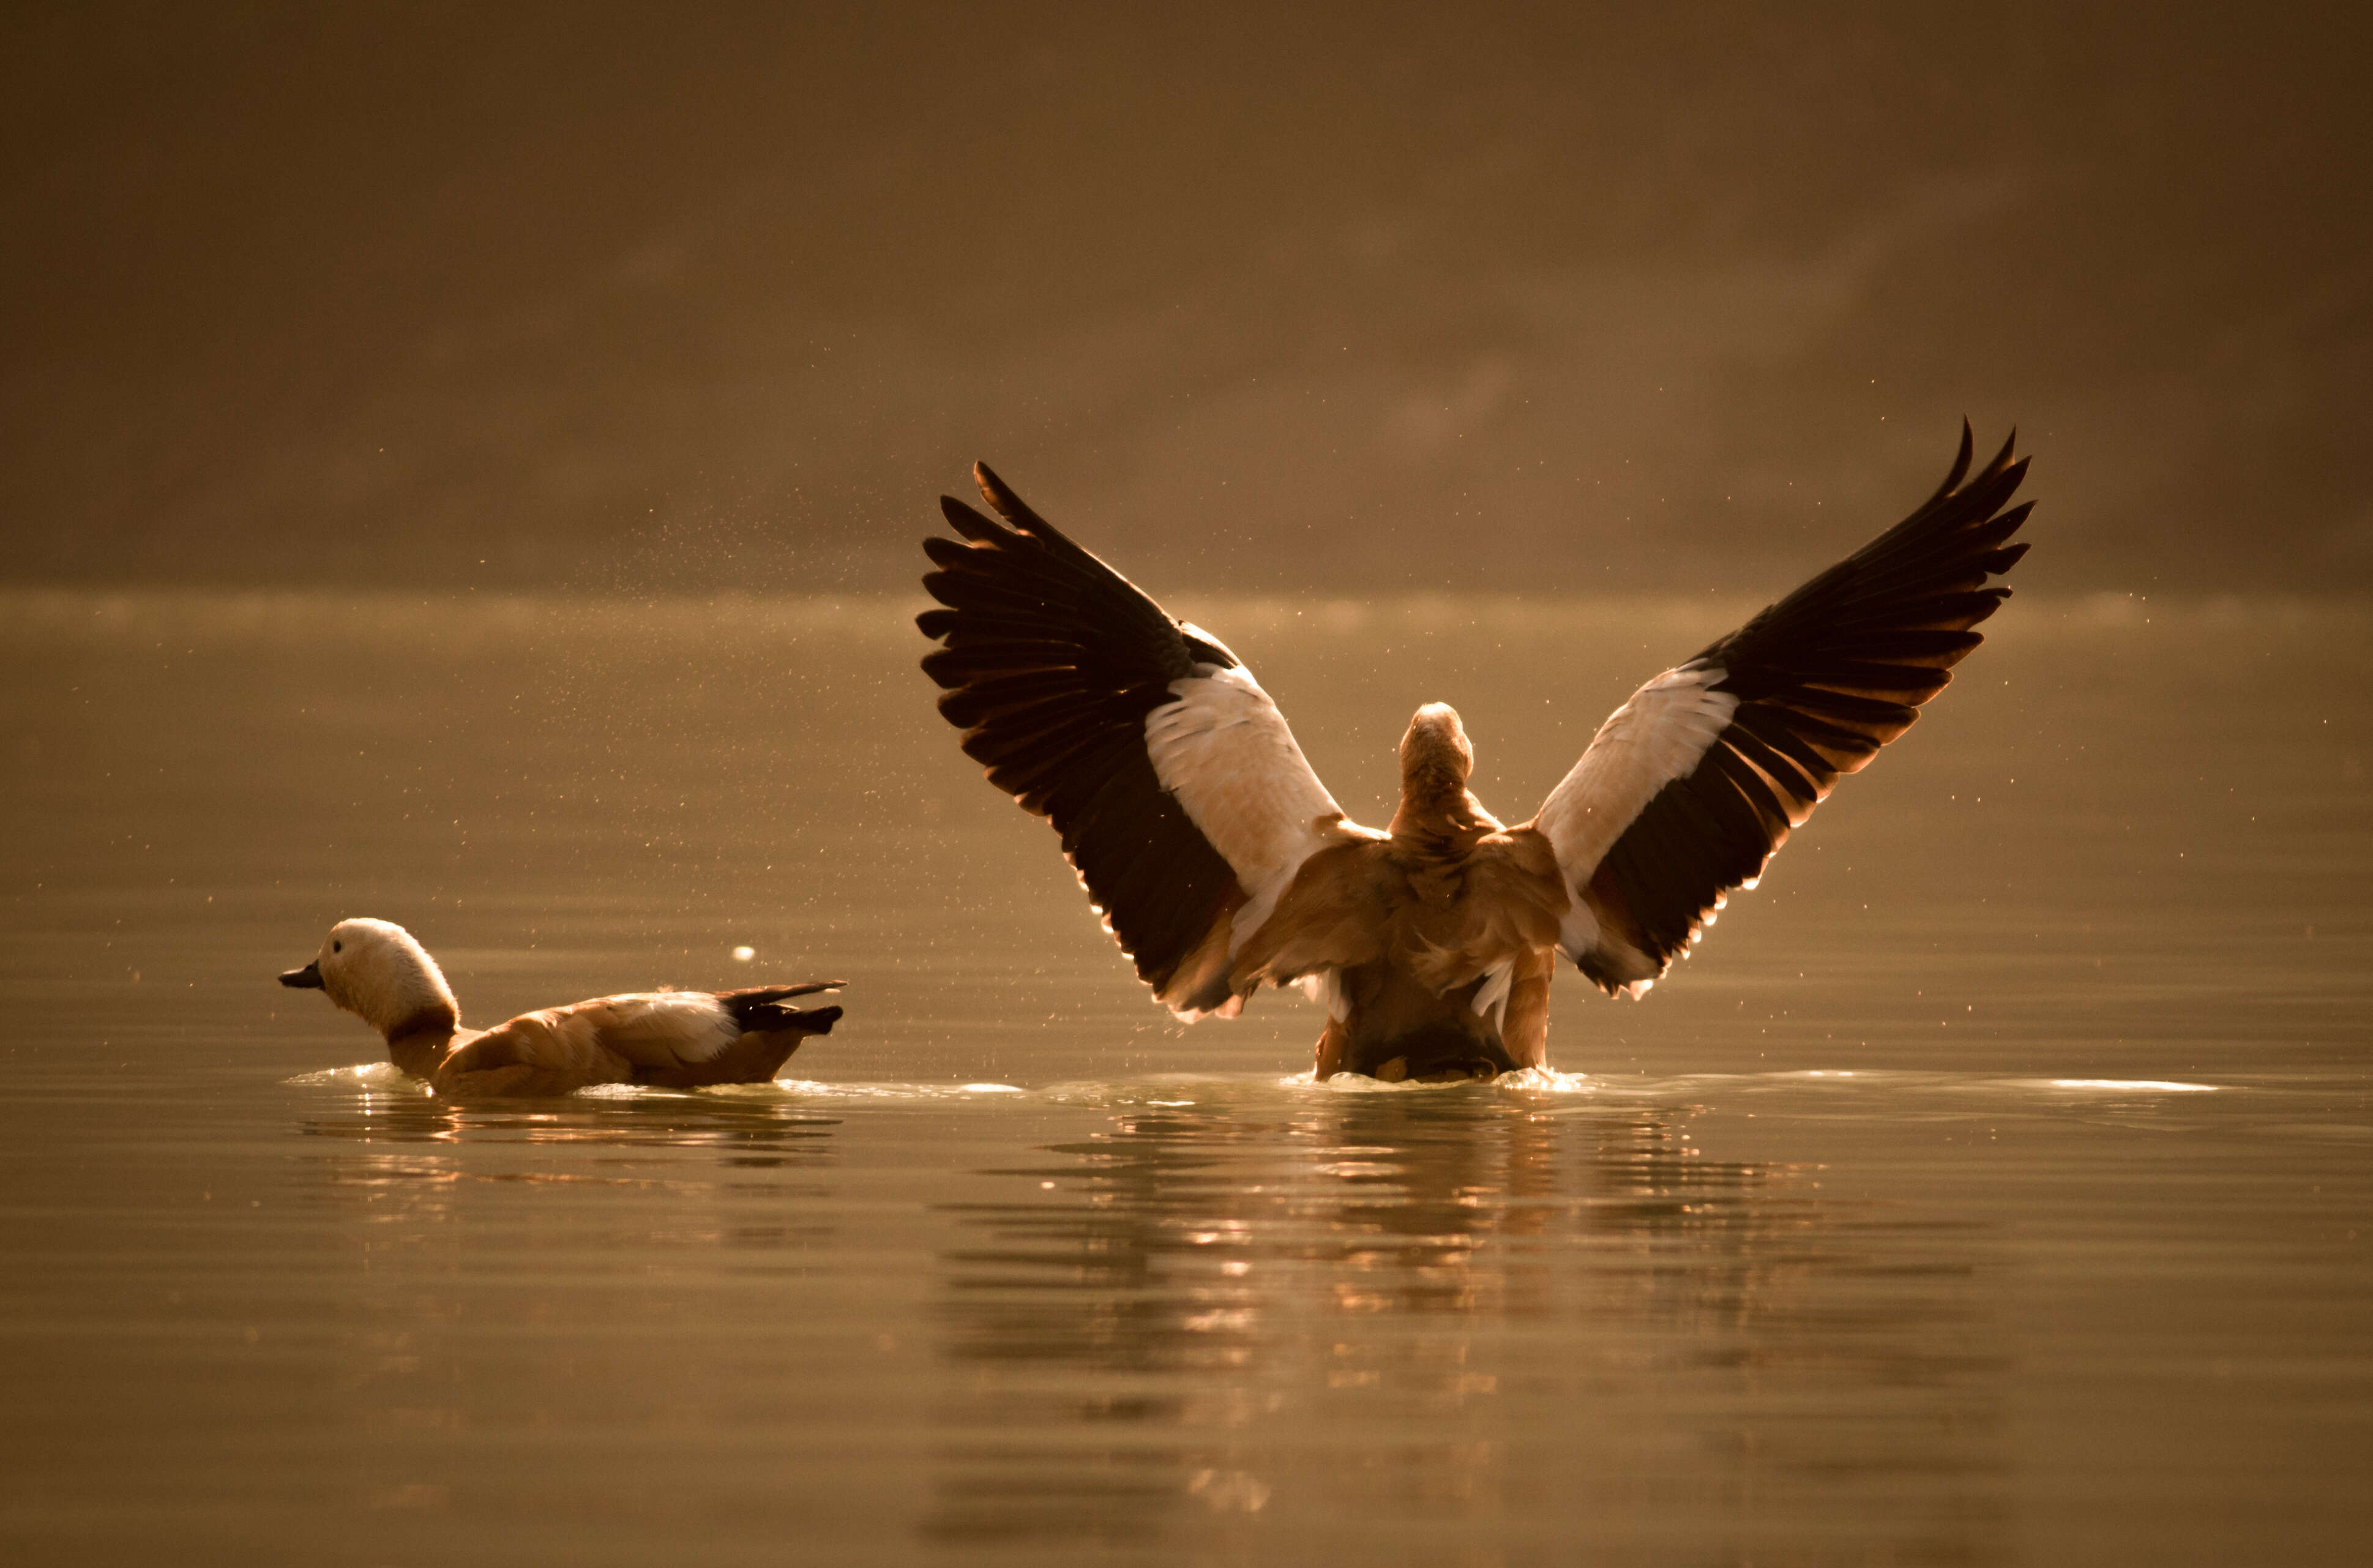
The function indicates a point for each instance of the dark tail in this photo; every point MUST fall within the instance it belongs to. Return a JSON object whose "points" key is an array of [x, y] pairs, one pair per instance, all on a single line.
{"points": [[774, 1020], [762, 1010]]}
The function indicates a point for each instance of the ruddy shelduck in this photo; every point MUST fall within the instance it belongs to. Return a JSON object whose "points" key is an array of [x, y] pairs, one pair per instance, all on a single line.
{"points": [[1219, 861], [376, 971]]}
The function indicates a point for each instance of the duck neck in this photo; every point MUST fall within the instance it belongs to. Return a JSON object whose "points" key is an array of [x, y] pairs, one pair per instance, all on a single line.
{"points": [[1451, 819], [1437, 809], [418, 1042]]}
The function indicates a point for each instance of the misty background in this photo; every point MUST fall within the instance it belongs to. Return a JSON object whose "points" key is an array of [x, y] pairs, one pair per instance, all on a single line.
{"points": [[1372, 297]]}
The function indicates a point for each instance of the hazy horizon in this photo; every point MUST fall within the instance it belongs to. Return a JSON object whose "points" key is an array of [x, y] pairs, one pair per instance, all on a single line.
{"points": [[1361, 301]]}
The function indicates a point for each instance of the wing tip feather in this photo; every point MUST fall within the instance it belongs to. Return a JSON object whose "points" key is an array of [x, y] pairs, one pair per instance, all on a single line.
{"points": [[1004, 502]]}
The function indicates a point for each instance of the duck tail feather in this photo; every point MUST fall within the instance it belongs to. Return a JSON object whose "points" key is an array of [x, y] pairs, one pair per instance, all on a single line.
{"points": [[777, 1018], [764, 1007]]}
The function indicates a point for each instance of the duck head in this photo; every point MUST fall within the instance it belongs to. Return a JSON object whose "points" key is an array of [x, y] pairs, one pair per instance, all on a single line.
{"points": [[376, 970], [1436, 761], [1436, 749]]}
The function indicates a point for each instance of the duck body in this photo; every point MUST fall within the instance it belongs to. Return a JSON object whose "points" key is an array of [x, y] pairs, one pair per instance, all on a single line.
{"points": [[1221, 862], [670, 1039], [1428, 944]]}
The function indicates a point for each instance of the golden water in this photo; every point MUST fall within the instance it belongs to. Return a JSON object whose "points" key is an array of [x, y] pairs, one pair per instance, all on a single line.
{"points": [[1994, 1186]]}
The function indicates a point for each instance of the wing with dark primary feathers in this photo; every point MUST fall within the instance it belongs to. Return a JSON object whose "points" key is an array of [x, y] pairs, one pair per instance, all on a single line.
{"points": [[1181, 799], [1689, 788]]}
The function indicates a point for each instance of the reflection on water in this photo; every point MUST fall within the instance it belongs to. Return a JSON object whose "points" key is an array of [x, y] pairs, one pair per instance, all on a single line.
{"points": [[730, 1193], [750, 1132], [1991, 1187], [1442, 1308], [552, 1269]]}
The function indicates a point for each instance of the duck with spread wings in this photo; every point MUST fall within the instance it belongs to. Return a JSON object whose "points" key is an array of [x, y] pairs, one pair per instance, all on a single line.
{"points": [[1219, 861]]}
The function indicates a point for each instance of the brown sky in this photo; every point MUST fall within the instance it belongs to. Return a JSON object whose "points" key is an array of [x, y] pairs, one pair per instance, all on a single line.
{"points": [[1521, 298]]}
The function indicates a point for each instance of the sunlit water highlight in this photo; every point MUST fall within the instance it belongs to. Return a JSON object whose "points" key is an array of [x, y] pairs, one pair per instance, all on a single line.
{"points": [[1992, 1187]]}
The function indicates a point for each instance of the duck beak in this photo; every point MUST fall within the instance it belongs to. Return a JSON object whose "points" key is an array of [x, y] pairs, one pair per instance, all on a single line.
{"points": [[309, 978]]}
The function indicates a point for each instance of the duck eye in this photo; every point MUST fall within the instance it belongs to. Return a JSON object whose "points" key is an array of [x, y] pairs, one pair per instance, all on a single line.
{"points": [[337, 947]]}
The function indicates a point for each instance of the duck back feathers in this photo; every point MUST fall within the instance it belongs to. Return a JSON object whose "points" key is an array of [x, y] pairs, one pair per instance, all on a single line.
{"points": [[666, 1039]]}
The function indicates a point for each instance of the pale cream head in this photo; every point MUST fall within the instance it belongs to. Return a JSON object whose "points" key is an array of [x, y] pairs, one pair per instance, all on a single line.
{"points": [[376, 971]]}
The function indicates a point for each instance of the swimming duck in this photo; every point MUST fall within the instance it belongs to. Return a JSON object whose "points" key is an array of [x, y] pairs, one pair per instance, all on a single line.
{"points": [[379, 972], [1219, 862]]}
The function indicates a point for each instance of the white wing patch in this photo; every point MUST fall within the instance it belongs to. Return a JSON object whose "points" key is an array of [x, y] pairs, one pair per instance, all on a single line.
{"points": [[1224, 751], [1658, 736]]}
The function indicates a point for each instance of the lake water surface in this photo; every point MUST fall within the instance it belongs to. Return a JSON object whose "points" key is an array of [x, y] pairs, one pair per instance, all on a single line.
{"points": [[1994, 1186]]}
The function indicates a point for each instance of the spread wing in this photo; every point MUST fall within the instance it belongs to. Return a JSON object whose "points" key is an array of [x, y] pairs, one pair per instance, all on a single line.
{"points": [[1185, 805], [1690, 786]]}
